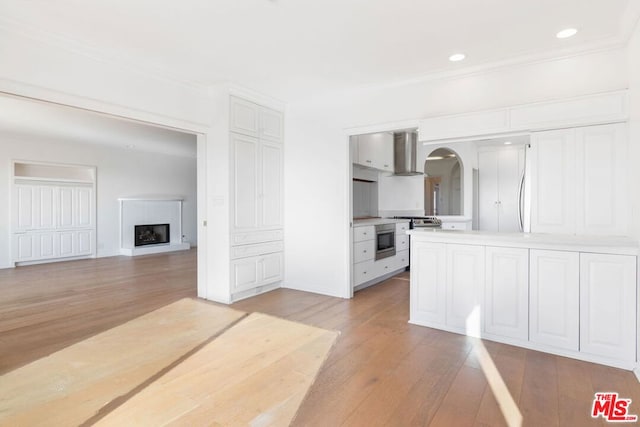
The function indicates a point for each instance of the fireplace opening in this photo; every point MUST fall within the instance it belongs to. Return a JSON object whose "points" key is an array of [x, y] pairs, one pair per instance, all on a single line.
{"points": [[151, 234]]}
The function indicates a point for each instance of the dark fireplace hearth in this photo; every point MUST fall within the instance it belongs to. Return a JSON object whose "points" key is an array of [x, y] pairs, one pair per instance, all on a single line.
{"points": [[151, 234]]}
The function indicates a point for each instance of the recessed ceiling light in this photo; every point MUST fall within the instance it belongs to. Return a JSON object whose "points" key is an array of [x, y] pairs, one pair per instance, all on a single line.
{"points": [[566, 33], [508, 143], [457, 57]]}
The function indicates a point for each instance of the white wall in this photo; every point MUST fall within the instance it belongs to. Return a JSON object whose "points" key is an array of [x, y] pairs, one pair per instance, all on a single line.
{"points": [[316, 166], [120, 173], [634, 125]]}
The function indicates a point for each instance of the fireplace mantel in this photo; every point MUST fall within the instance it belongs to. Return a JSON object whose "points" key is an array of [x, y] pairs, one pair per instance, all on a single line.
{"points": [[150, 210]]}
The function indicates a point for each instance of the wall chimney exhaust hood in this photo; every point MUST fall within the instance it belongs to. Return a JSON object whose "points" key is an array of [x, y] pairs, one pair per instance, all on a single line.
{"points": [[405, 154]]}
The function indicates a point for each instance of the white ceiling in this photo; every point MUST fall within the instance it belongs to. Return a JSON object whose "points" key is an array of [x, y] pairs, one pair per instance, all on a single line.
{"points": [[291, 49], [53, 123]]}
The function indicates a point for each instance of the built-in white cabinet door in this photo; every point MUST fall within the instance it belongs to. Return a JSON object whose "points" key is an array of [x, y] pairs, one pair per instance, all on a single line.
{"points": [[245, 180], [602, 179], [84, 211], [427, 283], [554, 297], [465, 280], [271, 200], [66, 244], [271, 125], [46, 247], [506, 292], [251, 272], [66, 210], [553, 182], [84, 244], [24, 247], [244, 274], [608, 305], [271, 266], [376, 151], [244, 117], [24, 210], [45, 207]]}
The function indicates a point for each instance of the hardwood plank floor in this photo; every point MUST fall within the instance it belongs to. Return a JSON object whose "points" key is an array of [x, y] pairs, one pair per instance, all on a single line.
{"points": [[382, 370]]}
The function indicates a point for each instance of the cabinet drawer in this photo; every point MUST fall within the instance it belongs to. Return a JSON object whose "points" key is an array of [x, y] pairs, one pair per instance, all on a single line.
{"points": [[454, 226], [363, 251], [253, 250], [402, 228], [256, 237], [402, 259], [385, 266], [402, 242], [363, 233], [363, 272]]}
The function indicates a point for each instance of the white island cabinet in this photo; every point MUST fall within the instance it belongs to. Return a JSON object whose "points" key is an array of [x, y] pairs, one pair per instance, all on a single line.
{"points": [[566, 295]]}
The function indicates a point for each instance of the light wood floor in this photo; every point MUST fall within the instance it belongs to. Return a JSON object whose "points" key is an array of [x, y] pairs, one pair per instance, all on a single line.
{"points": [[382, 370]]}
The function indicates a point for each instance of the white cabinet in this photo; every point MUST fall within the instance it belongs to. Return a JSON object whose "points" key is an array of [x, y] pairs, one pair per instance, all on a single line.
{"points": [[500, 174], [554, 298], [608, 305], [602, 195], [376, 151], [256, 137], [427, 281], [464, 282], [251, 272], [553, 182], [578, 181], [52, 221], [366, 269], [506, 292], [251, 119]]}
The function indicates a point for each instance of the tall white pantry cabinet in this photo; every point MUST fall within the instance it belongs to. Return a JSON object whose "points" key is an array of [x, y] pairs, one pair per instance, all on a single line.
{"points": [[256, 138]]}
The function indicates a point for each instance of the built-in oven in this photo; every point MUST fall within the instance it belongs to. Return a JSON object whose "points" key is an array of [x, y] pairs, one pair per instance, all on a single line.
{"points": [[385, 240]]}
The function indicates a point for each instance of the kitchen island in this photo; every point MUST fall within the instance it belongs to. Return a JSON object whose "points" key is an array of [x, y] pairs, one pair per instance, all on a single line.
{"points": [[574, 296]]}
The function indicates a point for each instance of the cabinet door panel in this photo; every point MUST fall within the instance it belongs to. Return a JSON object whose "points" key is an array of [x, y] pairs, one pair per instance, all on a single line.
{"points": [[24, 207], [66, 209], [507, 292], [602, 179], [84, 242], [271, 265], [84, 213], [66, 244], [271, 125], [47, 247], [553, 182], [24, 247], [271, 196], [46, 215], [488, 190], [245, 178], [465, 281], [244, 117], [244, 274], [608, 305], [554, 298], [427, 281]]}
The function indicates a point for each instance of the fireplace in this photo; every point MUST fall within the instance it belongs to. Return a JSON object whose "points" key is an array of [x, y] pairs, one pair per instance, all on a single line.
{"points": [[151, 234]]}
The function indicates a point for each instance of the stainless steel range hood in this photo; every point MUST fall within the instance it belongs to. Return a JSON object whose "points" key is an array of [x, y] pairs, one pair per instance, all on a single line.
{"points": [[405, 154]]}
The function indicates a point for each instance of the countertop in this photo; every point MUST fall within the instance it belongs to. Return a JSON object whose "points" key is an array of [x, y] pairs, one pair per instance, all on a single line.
{"points": [[377, 221], [595, 244]]}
